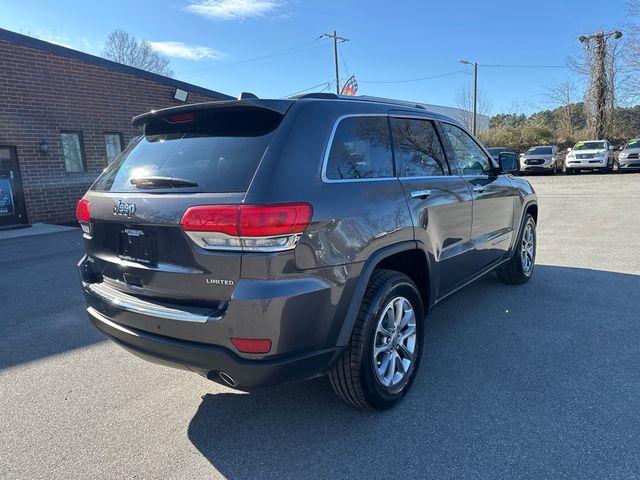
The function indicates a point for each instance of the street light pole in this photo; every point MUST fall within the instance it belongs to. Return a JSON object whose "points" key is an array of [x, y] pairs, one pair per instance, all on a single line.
{"points": [[475, 94], [475, 97]]}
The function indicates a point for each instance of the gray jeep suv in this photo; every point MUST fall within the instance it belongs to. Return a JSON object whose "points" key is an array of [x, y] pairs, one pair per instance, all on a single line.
{"points": [[257, 242]]}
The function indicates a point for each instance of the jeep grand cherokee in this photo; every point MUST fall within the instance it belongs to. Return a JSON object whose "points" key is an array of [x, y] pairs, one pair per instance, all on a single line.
{"points": [[258, 242]]}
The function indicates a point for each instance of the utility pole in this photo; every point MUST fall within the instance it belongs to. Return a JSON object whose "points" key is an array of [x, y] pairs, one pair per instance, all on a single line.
{"points": [[475, 93], [336, 39], [600, 94]]}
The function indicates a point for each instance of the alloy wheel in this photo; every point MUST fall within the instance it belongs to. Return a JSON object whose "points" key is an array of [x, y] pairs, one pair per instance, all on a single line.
{"points": [[395, 342], [528, 249]]}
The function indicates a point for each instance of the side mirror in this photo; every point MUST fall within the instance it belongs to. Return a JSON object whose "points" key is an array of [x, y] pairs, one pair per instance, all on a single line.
{"points": [[508, 162], [610, 147], [621, 148], [568, 149]]}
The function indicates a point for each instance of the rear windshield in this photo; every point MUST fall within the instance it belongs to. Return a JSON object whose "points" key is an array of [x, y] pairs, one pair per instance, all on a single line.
{"points": [[540, 151], [212, 151]]}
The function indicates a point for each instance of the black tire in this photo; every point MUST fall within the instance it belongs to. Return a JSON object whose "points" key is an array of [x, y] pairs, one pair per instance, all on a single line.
{"points": [[569, 171], [514, 272], [353, 377]]}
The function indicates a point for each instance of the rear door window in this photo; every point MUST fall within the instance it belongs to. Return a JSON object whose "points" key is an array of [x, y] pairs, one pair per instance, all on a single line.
{"points": [[211, 151], [417, 148], [361, 148]]}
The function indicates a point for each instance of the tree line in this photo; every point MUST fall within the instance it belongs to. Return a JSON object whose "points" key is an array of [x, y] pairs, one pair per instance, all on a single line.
{"points": [[562, 126]]}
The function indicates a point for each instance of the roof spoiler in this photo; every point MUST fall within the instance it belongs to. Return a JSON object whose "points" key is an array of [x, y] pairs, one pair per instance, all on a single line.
{"points": [[278, 106]]}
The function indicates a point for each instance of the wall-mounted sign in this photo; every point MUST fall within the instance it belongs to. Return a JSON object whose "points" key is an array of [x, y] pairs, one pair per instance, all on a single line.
{"points": [[6, 197], [181, 95]]}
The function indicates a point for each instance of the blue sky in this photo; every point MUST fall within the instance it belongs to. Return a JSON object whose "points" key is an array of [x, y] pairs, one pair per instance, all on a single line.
{"points": [[389, 41]]}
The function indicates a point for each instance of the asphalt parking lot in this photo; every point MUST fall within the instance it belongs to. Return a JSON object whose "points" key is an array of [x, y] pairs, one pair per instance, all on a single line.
{"points": [[535, 381]]}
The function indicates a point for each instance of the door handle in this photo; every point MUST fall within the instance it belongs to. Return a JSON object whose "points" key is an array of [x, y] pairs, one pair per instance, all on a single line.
{"points": [[478, 188], [420, 193]]}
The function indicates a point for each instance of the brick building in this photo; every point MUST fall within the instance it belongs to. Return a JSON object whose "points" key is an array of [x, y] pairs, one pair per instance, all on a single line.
{"points": [[64, 115]]}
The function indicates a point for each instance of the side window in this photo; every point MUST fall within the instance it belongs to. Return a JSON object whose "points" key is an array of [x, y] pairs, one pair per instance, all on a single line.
{"points": [[361, 148], [468, 157], [417, 148]]}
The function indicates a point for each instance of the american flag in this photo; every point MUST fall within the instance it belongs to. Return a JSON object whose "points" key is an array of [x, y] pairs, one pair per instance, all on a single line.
{"points": [[351, 87]]}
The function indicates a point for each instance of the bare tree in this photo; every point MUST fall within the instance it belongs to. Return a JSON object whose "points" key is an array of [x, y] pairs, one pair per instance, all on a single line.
{"points": [[600, 62], [631, 54], [124, 48], [464, 101], [564, 95]]}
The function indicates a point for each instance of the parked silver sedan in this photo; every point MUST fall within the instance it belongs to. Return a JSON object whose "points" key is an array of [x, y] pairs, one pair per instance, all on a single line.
{"points": [[542, 158], [629, 158]]}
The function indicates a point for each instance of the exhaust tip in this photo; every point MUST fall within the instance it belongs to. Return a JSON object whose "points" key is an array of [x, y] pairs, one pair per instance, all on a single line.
{"points": [[228, 379]]}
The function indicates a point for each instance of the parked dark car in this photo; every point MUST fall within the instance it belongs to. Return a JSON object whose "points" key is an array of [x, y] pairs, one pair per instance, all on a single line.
{"points": [[496, 151], [257, 242]]}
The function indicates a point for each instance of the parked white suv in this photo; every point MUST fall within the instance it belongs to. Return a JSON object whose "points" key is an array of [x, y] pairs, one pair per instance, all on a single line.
{"points": [[590, 155]]}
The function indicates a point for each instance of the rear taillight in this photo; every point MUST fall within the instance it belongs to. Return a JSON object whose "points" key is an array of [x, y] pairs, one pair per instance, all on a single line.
{"points": [[83, 214], [252, 345], [247, 227]]}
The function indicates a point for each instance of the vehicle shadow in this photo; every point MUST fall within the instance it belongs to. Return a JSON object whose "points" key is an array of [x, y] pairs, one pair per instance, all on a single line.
{"points": [[541, 380]]}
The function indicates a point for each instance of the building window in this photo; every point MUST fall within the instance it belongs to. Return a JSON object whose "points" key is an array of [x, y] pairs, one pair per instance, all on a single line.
{"points": [[73, 151], [113, 145]]}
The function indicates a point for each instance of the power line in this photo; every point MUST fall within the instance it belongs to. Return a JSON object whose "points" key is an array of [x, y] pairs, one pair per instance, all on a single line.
{"points": [[344, 63], [521, 66], [297, 49], [457, 72], [326, 85]]}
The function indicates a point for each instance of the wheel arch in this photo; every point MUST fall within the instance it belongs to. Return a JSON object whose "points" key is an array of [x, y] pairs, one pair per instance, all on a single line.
{"points": [[530, 207], [406, 257]]}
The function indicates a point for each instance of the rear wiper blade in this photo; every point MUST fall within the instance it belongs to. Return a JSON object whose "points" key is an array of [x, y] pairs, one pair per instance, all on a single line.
{"points": [[161, 182]]}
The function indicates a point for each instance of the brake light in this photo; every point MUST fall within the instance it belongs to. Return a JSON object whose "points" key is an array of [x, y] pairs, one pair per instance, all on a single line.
{"points": [[179, 118], [83, 211], [247, 227], [210, 218], [252, 345], [266, 220], [83, 214]]}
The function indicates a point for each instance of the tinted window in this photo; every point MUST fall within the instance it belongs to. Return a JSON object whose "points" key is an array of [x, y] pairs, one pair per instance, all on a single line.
{"points": [[113, 145], [72, 151], [219, 151], [469, 159], [417, 148], [361, 148], [495, 151]]}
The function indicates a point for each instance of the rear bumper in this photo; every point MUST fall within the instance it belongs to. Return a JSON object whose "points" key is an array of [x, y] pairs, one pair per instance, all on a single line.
{"points": [[210, 360], [301, 317]]}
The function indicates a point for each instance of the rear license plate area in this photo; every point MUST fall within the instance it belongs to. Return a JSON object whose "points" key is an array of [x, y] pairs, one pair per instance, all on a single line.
{"points": [[137, 245]]}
